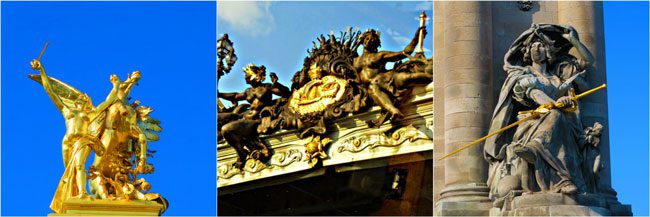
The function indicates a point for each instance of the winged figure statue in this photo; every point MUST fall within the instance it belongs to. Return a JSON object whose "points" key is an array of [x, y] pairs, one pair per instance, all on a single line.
{"points": [[117, 132]]}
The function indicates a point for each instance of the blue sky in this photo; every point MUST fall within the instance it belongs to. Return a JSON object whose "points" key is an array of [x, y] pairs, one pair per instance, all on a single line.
{"points": [[171, 43], [278, 34], [626, 47]]}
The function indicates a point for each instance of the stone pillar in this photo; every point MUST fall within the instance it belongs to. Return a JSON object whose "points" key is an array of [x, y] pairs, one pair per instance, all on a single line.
{"points": [[467, 105], [439, 100], [587, 19]]}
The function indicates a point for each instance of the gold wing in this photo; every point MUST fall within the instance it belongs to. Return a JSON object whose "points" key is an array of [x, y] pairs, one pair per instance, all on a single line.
{"points": [[65, 92]]}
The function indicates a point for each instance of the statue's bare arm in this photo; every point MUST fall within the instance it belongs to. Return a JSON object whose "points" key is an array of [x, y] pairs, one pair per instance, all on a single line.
{"points": [[111, 96], [396, 56], [36, 65], [586, 58], [233, 96], [278, 88]]}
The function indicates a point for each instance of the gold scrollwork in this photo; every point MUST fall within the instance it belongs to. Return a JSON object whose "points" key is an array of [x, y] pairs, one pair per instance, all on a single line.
{"points": [[252, 166], [357, 144]]}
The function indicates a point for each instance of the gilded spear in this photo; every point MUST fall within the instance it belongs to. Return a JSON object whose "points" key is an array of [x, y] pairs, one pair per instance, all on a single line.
{"points": [[542, 109]]}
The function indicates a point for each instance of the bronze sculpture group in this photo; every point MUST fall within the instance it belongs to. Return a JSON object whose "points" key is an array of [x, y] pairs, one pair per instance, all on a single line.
{"points": [[118, 132], [335, 81]]}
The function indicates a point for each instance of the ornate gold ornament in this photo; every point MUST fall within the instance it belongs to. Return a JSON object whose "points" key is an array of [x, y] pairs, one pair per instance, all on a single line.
{"points": [[255, 73], [317, 94], [315, 150]]}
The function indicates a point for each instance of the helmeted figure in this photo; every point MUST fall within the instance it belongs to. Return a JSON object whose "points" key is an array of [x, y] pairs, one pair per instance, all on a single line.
{"points": [[542, 154]]}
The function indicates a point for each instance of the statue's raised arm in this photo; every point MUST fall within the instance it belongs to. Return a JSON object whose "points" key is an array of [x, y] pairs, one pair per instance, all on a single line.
{"points": [[586, 59], [390, 56], [45, 81]]}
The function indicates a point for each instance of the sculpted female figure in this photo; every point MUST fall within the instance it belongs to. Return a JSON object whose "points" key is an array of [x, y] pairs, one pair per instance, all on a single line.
{"points": [[540, 154], [81, 133], [241, 130]]}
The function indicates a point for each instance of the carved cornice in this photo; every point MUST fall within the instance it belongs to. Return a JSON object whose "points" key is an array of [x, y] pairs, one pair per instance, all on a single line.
{"points": [[352, 141]]}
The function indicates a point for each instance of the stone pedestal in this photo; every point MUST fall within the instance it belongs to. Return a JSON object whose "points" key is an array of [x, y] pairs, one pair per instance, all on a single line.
{"points": [[77, 207], [557, 204], [459, 208]]}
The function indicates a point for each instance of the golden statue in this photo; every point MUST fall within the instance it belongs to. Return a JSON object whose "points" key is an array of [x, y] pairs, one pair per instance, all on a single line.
{"points": [[118, 133], [318, 93]]}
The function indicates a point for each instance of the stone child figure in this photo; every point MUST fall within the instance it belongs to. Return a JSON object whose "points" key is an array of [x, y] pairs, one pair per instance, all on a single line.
{"points": [[240, 130], [381, 83], [541, 154]]}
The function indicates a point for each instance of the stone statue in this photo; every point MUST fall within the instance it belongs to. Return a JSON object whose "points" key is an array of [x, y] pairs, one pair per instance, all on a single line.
{"points": [[239, 127], [541, 154], [116, 131], [591, 165]]}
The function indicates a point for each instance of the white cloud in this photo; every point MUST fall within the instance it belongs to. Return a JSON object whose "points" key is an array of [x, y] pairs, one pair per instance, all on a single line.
{"points": [[246, 17], [424, 6], [398, 38], [402, 40]]}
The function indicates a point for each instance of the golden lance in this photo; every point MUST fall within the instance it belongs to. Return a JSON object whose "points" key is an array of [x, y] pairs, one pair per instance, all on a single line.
{"points": [[42, 51], [534, 114]]}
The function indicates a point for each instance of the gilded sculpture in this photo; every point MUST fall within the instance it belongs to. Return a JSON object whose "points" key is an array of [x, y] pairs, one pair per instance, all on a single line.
{"points": [[320, 92], [315, 149], [116, 131]]}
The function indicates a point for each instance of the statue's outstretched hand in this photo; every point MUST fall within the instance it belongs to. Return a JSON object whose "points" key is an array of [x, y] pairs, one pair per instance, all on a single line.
{"points": [[274, 77], [424, 30], [36, 64]]}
